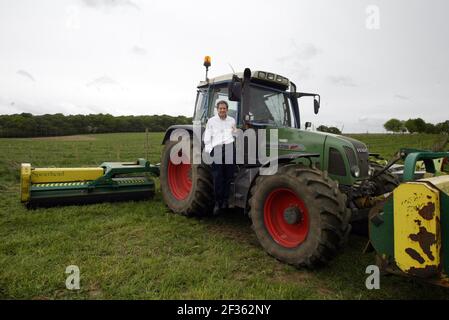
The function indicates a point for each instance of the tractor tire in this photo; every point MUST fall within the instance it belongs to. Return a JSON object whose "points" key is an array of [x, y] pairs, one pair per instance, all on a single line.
{"points": [[386, 182], [187, 189], [299, 216]]}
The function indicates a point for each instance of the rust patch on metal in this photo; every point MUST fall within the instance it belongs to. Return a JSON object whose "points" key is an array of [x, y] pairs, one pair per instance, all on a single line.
{"points": [[415, 255], [428, 211], [426, 240], [426, 272]]}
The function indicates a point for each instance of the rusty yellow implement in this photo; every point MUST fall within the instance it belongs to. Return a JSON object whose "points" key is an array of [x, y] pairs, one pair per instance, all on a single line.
{"points": [[410, 232]]}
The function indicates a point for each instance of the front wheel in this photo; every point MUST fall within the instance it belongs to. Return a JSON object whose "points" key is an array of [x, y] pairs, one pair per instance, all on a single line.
{"points": [[299, 216]]}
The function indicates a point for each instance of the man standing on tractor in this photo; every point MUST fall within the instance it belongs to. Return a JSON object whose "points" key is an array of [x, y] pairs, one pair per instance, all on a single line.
{"points": [[219, 143]]}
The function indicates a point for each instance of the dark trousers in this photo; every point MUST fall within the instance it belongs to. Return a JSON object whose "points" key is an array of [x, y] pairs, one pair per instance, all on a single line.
{"points": [[223, 169]]}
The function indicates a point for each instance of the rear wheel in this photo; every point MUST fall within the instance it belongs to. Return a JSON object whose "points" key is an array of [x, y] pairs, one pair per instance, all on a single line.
{"points": [[299, 216], [186, 188]]}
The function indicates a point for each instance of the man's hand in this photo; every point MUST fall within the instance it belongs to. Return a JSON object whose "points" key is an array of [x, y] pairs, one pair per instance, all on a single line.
{"points": [[234, 130]]}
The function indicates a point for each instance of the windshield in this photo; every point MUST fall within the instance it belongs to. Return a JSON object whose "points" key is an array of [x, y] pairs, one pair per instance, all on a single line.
{"points": [[270, 107]]}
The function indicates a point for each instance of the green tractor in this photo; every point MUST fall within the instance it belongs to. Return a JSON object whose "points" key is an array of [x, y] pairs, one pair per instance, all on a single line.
{"points": [[302, 214]]}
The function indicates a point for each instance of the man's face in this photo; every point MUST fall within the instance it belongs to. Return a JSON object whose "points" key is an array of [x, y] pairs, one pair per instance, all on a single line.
{"points": [[222, 110]]}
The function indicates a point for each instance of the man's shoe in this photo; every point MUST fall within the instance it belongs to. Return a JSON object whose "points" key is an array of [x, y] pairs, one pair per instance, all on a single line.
{"points": [[216, 209]]}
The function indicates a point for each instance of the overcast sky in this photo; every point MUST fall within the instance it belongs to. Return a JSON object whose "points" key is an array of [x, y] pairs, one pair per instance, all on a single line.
{"points": [[134, 57]]}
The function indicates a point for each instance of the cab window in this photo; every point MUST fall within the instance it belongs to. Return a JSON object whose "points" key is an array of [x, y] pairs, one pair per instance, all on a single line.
{"points": [[201, 106]]}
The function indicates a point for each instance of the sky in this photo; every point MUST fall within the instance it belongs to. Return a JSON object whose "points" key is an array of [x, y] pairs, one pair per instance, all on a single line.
{"points": [[369, 60]]}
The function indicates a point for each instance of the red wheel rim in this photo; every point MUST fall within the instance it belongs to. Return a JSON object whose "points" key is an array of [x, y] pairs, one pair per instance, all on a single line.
{"points": [[179, 179], [286, 218]]}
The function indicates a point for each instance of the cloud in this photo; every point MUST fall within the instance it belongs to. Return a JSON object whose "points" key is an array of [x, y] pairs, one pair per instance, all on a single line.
{"points": [[139, 50], [363, 119], [301, 52], [26, 74], [342, 81], [104, 4], [103, 82], [307, 51], [372, 119], [400, 97], [299, 57]]}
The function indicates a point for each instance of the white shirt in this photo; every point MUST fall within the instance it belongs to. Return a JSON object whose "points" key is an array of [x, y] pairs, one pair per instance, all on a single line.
{"points": [[218, 131]]}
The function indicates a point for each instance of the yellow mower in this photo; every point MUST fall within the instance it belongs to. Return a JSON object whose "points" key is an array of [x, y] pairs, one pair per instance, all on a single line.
{"points": [[111, 181]]}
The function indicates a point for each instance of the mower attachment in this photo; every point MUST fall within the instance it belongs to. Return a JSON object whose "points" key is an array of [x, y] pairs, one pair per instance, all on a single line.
{"points": [[112, 181]]}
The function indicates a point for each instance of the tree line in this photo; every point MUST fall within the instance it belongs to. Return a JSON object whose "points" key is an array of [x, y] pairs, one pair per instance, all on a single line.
{"points": [[28, 125], [417, 125]]}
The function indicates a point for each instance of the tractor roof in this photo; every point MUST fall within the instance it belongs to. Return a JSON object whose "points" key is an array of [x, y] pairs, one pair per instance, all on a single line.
{"points": [[260, 76]]}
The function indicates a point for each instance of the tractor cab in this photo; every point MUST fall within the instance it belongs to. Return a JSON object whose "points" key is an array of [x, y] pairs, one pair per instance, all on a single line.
{"points": [[255, 98], [261, 99]]}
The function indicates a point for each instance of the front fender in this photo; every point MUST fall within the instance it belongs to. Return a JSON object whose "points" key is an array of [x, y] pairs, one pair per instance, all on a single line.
{"points": [[290, 157]]}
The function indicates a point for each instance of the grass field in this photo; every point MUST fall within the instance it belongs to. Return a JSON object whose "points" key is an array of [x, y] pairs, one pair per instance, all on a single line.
{"points": [[388, 144], [142, 251]]}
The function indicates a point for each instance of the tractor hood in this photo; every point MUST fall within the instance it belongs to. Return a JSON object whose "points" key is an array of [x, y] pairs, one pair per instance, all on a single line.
{"points": [[341, 156], [313, 141]]}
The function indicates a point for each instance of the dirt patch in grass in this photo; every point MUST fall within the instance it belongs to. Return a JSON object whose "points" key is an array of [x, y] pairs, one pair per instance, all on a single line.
{"points": [[232, 224], [65, 138]]}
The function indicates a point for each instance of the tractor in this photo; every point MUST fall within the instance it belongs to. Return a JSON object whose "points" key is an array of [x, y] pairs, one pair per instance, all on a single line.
{"points": [[324, 183]]}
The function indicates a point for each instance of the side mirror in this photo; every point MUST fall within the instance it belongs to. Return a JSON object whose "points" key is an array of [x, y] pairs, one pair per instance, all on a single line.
{"points": [[308, 124], [316, 104], [235, 89], [316, 99]]}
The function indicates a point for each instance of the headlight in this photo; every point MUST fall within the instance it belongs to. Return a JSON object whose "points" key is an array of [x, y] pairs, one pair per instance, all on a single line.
{"points": [[355, 170]]}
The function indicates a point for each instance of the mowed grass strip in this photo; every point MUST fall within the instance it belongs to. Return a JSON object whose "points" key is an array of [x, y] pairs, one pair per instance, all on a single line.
{"points": [[140, 250]]}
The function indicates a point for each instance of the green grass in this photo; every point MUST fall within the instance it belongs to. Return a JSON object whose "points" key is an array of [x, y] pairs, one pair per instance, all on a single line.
{"points": [[388, 144], [139, 250]]}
